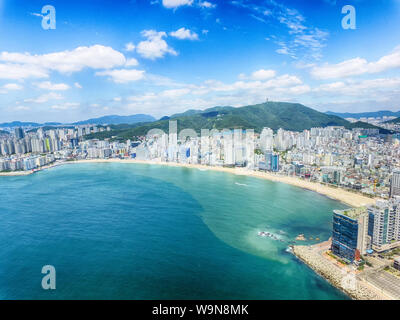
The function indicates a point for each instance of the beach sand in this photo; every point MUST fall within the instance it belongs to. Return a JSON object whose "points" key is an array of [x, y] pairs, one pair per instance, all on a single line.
{"points": [[15, 173]]}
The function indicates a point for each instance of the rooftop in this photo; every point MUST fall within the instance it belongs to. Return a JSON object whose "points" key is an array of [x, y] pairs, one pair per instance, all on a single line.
{"points": [[352, 213]]}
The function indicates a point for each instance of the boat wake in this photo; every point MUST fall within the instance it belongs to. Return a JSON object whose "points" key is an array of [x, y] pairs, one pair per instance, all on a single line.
{"points": [[241, 184]]}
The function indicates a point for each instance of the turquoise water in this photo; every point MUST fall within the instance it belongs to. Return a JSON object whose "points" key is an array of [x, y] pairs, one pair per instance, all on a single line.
{"points": [[123, 231]]}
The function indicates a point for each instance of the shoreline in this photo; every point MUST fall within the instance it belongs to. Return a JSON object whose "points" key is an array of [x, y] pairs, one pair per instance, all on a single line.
{"points": [[313, 257], [303, 253], [15, 173], [338, 194]]}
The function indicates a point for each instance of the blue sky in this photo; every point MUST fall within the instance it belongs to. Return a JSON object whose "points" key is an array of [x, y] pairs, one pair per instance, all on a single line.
{"points": [[166, 56]]}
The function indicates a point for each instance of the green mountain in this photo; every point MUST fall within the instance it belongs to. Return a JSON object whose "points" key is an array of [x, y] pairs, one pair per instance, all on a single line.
{"points": [[275, 115]]}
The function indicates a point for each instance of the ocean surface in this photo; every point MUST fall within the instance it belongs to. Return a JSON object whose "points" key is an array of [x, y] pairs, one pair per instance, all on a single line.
{"points": [[135, 231]]}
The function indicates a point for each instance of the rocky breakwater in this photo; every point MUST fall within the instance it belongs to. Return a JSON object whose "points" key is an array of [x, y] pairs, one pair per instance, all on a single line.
{"points": [[341, 278]]}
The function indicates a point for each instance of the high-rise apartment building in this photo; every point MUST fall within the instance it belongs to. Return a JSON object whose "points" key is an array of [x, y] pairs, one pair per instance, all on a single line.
{"points": [[350, 234], [19, 133], [384, 224], [395, 184]]}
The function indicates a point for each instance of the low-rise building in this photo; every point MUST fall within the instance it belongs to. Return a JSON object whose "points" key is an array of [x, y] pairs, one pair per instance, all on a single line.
{"points": [[396, 263]]}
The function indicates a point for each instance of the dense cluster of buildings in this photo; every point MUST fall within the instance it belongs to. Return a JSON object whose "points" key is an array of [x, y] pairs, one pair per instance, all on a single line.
{"points": [[25, 151], [357, 159]]}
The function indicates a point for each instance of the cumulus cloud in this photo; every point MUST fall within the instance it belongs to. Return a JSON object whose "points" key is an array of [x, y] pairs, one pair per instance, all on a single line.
{"points": [[13, 86], [20, 72], [131, 62], [184, 33], [175, 93], [45, 98], [155, 46], [95, 57], [47, 85], [21, 108], [65, 106], [122, 75], [206, 4], [363, 88], [129, 47], [77, 85], [261, 74], [173, 4], [357, 66]]}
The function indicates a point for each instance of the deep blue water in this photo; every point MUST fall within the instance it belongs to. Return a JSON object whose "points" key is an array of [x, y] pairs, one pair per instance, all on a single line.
{"points": [[123, 231]]}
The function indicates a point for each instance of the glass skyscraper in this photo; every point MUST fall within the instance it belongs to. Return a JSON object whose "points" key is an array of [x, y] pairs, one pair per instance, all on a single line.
{"points": [[345, 237]]}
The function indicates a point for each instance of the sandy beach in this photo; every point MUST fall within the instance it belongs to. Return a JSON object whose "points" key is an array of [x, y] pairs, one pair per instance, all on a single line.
{"points": [[15, 173], [347, 197]]}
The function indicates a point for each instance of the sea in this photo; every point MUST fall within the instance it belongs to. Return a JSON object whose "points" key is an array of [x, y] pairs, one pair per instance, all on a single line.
{"points": [[139, 231]]}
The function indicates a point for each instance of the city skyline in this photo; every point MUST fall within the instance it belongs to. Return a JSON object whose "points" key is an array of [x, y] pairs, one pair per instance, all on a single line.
{"points": [[164, 57]]}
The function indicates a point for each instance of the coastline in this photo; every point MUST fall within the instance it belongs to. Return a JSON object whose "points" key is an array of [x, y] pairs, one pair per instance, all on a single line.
{"points": [[15, 173], [344, 196], [315, 257], [306, 254]]}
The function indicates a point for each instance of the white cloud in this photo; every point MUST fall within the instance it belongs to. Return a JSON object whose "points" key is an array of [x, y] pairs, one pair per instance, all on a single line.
{"points": [[77, 85], [131, 62], [206, 4], [65, 106], [46, 97], [184, 33], [175, 93], [155, 46], [173, 4], [346, 68], [261, 74], [129, 47], [47, 85], [364, 88], [357, 66], [19, 72], [13, 86], [95, 57], [123, 75], [22, 108]]}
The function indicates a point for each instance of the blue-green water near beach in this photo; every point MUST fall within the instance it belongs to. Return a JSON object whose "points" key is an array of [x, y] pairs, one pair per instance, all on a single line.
{"points": [[130, 231]]}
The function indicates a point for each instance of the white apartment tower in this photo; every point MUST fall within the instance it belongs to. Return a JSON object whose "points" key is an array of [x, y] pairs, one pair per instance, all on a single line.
{"points": [[395, 184]]}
